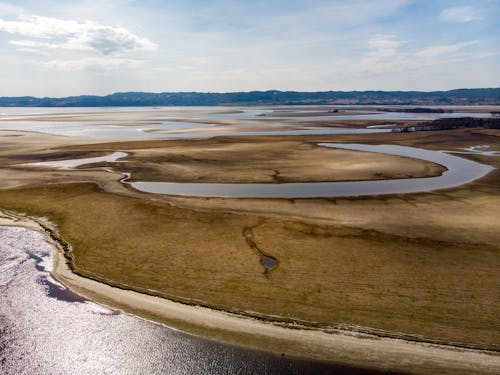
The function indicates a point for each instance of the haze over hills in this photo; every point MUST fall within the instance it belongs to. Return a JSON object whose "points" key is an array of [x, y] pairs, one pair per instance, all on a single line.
{"points": [[478, 96]]}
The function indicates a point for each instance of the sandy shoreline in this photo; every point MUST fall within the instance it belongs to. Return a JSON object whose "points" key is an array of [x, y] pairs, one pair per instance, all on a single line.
{"points": [[342, 347]]}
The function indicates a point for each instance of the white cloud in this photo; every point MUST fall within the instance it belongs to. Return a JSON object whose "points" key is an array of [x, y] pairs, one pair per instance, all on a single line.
{"points": [[33, 50], [285, 45], [385, 41], [460, 14], [92, 63], [382, 48], [386, 56], [34, 45], [447, 49], [53, 33]]}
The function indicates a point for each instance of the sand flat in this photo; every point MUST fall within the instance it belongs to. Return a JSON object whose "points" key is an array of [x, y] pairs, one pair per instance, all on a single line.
{"points": [[371, 262]]}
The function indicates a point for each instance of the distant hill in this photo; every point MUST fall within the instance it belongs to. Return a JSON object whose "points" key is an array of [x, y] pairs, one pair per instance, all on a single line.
{"points": [[487, 96]]}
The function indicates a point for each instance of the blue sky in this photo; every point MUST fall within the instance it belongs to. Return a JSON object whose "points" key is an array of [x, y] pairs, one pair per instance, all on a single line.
{"points": [[59, 48]]}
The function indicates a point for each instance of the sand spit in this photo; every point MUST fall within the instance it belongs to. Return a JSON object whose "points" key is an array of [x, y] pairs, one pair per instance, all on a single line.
{"points": [[342, 346]]}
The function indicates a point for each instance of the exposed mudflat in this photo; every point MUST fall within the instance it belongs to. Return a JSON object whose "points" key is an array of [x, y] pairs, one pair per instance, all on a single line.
{"points": [[424, 265]]}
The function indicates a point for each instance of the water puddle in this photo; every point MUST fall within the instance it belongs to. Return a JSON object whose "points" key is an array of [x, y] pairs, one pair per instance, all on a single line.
{"points": [[73, 163], [268, 262], [476, 150]]}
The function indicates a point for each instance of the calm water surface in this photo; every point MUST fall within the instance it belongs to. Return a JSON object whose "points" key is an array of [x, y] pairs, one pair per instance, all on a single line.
{"points": [[146, 130], [153, 129]]}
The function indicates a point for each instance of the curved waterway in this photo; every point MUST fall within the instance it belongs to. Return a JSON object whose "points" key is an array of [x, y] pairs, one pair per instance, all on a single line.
{"points": [[459, 171], [47, 329]]}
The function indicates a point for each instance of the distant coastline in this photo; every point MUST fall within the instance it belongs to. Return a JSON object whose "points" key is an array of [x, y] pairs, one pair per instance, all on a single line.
{"points": [[478, 96]]}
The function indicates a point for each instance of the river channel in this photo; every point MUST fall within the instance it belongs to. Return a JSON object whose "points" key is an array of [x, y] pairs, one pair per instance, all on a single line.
{"points": [[459, 171]]}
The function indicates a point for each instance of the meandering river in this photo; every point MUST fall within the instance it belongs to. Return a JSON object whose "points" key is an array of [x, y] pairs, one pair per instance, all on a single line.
{"points": [[459, 171]]}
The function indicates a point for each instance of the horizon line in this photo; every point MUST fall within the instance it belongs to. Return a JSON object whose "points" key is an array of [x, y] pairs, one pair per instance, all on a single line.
{"points": [[249, 91]]}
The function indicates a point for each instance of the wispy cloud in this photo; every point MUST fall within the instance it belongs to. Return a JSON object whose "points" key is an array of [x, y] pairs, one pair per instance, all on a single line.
{"points": [[60, 47], [386, 55], [92, 63], [440, 50], [382, 48], [53, 33], [460, 14], [385, 42]]}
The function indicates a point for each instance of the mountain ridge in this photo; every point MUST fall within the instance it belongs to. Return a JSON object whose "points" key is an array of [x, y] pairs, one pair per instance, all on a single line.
{"points": [[477, 96]]}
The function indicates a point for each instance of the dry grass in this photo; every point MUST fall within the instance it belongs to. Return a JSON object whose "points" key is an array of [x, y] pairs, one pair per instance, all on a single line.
{"points": [[327, 274], [422, 264], [264, 162]]}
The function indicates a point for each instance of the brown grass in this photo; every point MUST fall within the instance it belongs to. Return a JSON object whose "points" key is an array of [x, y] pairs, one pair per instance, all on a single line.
{"points": [[328, 274], [423, 264], [264, 162]]}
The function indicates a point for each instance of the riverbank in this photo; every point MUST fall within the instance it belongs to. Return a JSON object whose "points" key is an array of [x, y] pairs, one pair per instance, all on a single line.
{"points": [[341, 346]]}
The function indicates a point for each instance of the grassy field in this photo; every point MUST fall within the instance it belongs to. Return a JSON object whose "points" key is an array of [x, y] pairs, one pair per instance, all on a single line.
{"points": [[326, 273], [421, 264]]}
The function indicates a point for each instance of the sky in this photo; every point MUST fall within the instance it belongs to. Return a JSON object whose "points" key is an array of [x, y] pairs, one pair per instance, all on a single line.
{"points": [[62, 48]]}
